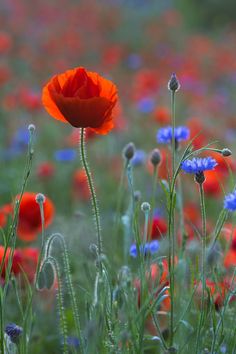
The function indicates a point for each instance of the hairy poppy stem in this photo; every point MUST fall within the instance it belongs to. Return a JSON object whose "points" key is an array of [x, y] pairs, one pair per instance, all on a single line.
{"points": [[92, 191]]}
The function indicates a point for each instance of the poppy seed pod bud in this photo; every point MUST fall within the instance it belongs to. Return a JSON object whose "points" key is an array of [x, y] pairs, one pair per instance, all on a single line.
{"points": [[173, 84], [155, 157], [200, 177], [129, 151], [31, 128], [40, 198], [226, 152], [145, 207]]}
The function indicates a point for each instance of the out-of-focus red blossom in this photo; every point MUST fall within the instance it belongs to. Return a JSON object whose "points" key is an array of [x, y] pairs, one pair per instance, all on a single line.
{"points": [[112, 55], [228, 232], [74, 138], [5, 212], [224, 164], [45, 170], [24, 261], [82, 98], [192, 212], [5, 42], [10, 102], [212, 184], [28, 261], [218, 291], [162, 115], [29, 99], [29, 224], [159, 227], [230, 259], [80, 185], [145, 83], [196, 127], [15, 261], [5, 75], [157, 278]]}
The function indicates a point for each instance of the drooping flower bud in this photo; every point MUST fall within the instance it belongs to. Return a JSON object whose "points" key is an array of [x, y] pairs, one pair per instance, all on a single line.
{"points": [[226, 152]]}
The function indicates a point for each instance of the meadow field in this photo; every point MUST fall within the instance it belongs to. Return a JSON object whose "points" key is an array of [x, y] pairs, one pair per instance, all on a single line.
{"points": [[117, 177]]}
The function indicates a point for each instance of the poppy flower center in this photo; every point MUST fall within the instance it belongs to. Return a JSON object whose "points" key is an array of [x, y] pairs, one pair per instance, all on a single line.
{"points": [[80, 85]]}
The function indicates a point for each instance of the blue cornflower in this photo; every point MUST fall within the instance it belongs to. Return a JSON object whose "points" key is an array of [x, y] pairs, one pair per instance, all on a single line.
{"points": [[134, 61], [13, 331], [198, 164], [230, 201], [164, 135], [149, 247], [133, 251], [153, 246], [65, 155], [73, 341], [139, 158], [146, 105]]}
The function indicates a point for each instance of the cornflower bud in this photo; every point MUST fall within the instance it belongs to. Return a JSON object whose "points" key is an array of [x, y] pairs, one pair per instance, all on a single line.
{"points": [[129, 151], [173, 84]]}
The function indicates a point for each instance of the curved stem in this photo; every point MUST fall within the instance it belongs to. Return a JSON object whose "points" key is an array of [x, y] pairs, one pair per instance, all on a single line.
{"points": [[92, 190]]}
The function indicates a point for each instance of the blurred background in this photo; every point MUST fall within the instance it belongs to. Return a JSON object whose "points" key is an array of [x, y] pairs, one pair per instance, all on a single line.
{"points": [[137, 44]]}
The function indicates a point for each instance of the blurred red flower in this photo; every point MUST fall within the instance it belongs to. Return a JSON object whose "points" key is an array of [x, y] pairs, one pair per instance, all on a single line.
{"points": [[29, 223], [5, 211], [28, 261], [159, 228], [162, 115], [15, 268], [80, 185], [45, 170], [82, 98]]}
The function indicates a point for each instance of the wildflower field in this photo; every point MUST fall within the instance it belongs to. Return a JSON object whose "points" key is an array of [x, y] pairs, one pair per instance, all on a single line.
{"points": [[118, 177]]}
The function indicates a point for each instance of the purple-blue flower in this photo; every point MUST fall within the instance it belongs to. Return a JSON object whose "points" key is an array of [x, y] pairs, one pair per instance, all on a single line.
{"points": [[139, 158], [65, 155], [198, 164], [13, 331], [230, 201], [149, 247], [146, 105], [164, 135]]}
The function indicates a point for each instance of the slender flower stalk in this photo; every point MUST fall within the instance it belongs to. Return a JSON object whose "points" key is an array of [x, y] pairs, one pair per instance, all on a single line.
{"points": [[203, 263], [173, 86], [93, 193]]}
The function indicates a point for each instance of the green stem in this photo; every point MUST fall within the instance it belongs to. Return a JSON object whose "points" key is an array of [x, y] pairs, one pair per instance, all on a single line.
{"points": [[171, 223], [154, 185], [203, 265], [173, 131], [92, 191]]}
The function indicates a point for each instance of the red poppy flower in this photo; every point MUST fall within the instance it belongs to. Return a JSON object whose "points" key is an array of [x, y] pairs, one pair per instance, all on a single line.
{"points": [[45, 170], [29, 223], [82, 98], [80, 185], [159, 228], [28, 261], [16, 259], [162, 115]]}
